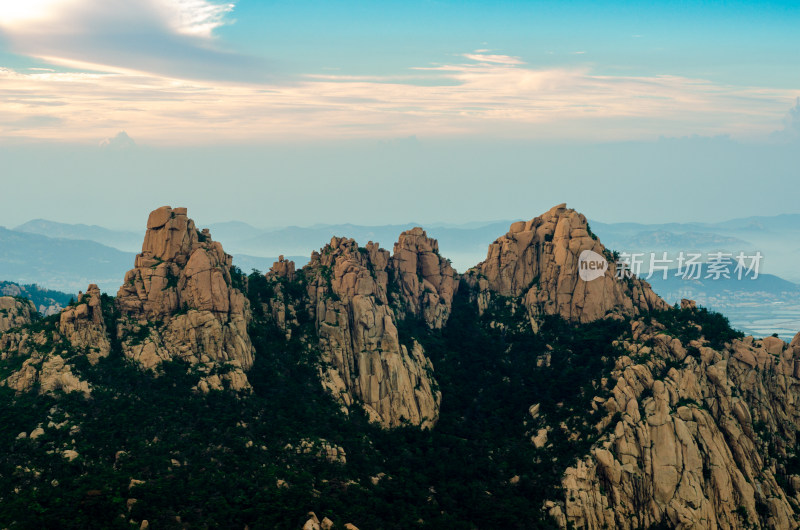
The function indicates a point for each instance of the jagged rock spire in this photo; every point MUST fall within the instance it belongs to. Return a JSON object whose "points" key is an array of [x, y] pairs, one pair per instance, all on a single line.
{"points": [[181, 284], [358, 337], [427, 282]]}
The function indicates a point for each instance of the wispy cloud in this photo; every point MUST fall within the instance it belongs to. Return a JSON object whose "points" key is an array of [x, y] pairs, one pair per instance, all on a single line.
{"points": [[166, 37], [482, 56], [478, 95]]}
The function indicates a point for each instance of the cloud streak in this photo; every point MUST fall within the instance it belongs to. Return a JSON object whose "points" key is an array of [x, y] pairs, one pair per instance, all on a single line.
{"points": [[484, 95], [164, 37]]}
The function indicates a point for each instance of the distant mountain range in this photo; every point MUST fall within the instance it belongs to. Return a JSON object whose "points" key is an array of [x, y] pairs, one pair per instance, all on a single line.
{"points": [[64, 264], [127, 241], [94, 253], [68, 263], [674, 287]]}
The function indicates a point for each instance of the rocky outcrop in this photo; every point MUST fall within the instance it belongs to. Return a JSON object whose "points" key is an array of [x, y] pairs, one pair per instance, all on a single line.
{"points": [[696, 440], [363, 358], [179, 300], [15, 312], [84, 327], [51, 374], [283, 268], [41, 367], [538, 262], [426, 282]]}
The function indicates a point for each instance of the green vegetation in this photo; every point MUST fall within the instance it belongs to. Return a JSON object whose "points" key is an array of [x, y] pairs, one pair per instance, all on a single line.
{"points": [[683, 323], [490, 371]]}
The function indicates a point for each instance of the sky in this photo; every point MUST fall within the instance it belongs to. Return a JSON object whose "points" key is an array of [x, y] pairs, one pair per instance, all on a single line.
{"points": [[299, 112]]}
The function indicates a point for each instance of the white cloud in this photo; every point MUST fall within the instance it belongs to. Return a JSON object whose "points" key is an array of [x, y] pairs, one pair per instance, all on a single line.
{"points": [[168, 37], [480, 56], [196, 17], [502, 97]]}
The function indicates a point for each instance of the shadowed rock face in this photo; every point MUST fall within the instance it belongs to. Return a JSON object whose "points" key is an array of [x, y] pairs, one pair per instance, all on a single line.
{"points": [[539, 261], [426, 281], [358, 337], [180, 288]]}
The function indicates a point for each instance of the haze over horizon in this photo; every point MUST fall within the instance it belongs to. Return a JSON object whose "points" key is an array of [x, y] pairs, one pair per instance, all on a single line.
{"points": [[298, 113]]}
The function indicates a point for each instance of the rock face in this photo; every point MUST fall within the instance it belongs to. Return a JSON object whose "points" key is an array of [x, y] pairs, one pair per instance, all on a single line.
{"points": [[179, 300], [51, 374], [15, 312], [84, 327], [698, 439], [538, 261], [358, 338], [425, 281]]}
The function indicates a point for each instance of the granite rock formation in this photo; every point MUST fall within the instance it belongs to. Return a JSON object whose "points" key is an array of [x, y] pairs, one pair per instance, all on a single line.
{"points": [[697, 437], [538, 262], [357, 332], [425, 281], [179, 300], [84, 327], [15, 312]]}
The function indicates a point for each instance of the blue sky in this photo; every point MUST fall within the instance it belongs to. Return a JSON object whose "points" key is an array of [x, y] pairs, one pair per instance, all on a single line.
{"points": [[554, 100], [735, 42]]}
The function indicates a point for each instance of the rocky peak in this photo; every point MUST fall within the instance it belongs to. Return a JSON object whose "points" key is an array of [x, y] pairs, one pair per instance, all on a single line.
{"points": [[181, 298], [283, 268], [426, 281], [83, 325], [358, 337], [179, 267], [538, 260]]}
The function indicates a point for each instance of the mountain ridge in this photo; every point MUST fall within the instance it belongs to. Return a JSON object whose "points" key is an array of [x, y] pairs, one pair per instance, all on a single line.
{"points": [[515, 394]]}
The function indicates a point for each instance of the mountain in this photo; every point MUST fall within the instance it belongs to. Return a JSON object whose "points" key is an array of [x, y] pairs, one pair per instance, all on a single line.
{"points": [[63, 264], [662, 239], [121, 240], [674, 287], [234, 231], [465, 244], [383, 389]]}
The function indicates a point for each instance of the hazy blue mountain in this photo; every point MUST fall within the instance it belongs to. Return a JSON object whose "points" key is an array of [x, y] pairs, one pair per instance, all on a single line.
{"points": [[655, 240], [766, 284], [57, 263], [123, 240], [232, 231]]}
